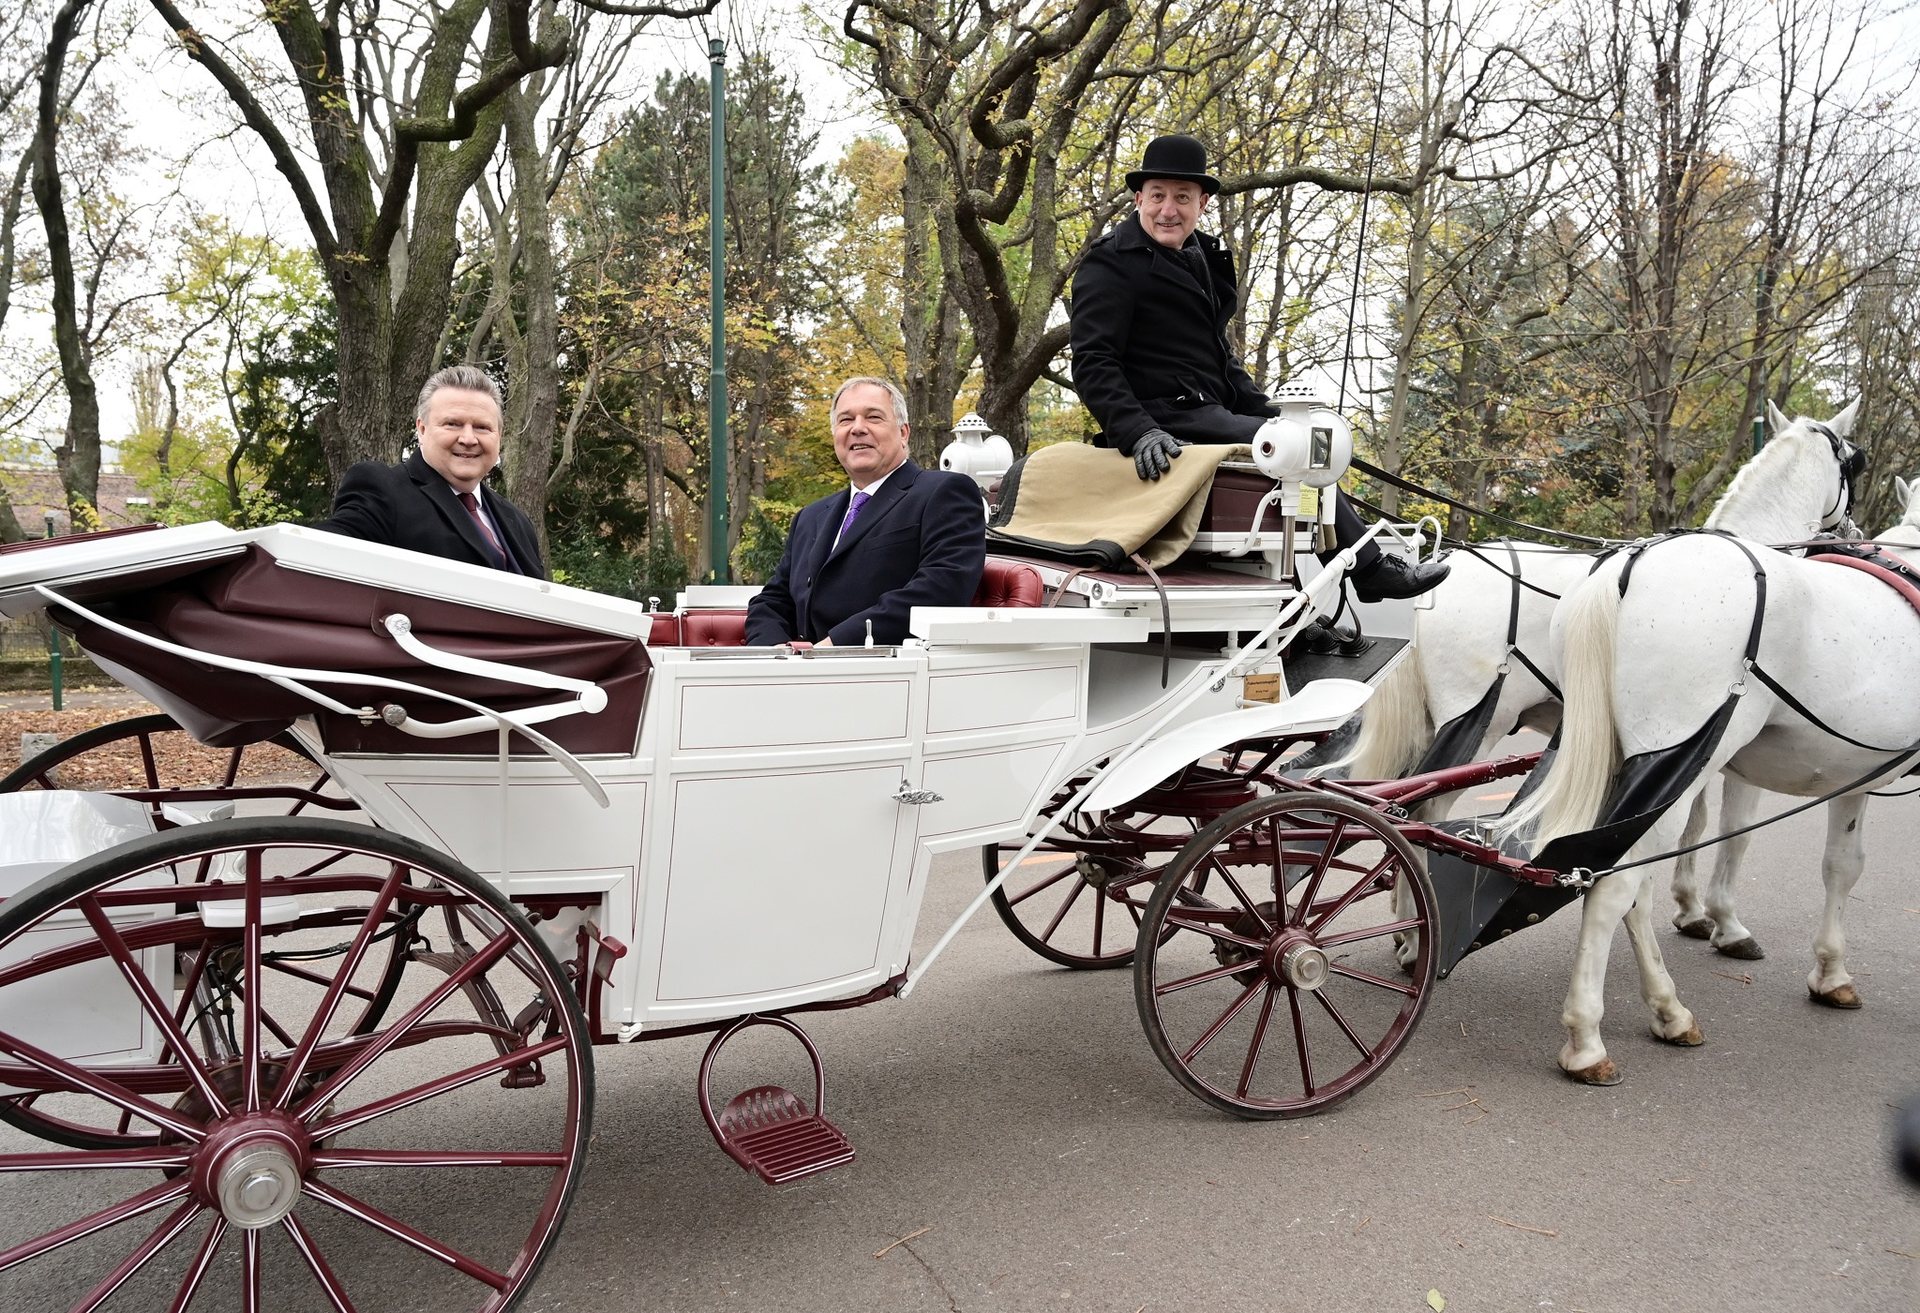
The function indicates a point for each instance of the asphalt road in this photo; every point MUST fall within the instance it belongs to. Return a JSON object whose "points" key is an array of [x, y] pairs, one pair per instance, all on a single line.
{"points": [[1021, 1149]]}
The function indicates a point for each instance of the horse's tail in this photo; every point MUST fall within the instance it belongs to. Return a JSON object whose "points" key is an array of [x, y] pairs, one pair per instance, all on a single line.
{"points": [[1395, 728], [1576, 787]]}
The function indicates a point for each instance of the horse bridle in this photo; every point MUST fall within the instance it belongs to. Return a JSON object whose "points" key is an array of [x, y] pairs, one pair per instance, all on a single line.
{"points": [[1853, 463]]}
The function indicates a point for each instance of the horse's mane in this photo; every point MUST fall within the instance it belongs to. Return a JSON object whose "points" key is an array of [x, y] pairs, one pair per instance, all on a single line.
{"points": [[1775, 497]]}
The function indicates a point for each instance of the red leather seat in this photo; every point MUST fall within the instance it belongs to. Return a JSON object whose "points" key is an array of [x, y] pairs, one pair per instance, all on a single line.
{"points": [[713, 629], [1009, 583], [1004, 583]]}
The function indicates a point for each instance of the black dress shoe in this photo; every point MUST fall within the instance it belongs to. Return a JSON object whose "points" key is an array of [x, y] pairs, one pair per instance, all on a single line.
{"points": [[1394, 576]]}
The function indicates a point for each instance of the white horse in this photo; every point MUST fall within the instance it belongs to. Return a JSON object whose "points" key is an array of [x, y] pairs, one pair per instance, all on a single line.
{"points": [[1647, 670], [1712, 916], [1462, 646]]}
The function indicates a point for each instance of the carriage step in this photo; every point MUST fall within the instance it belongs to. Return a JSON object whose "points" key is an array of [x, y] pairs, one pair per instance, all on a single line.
{"points": [[768, 1131]]}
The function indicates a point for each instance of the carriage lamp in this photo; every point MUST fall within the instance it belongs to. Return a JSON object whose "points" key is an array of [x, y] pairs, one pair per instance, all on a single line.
{"points": [[977, 451], [1307, 442]]}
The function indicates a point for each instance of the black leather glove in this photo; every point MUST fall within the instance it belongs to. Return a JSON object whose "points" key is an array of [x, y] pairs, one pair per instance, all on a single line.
{"points": [[1153, 453]]}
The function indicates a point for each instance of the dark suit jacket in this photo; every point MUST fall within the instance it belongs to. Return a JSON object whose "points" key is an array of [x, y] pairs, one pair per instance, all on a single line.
{"points": [[920, 542], [1150, 342], [410, 505]]}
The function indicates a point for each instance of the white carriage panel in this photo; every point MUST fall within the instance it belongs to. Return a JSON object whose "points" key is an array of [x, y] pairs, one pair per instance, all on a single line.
{"points": [[1127, 696], [1028, 695], [559, 840], [986, 795], [792, 711], [777, 883], [84, 1012]]}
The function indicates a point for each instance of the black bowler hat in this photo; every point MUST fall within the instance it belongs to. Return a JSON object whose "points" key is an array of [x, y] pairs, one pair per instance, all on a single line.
{"points": [[1179, 157]]}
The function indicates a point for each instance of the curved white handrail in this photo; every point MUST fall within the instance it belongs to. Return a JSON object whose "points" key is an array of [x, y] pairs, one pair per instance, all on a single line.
{"points": [[295, 678], [399, 626]]}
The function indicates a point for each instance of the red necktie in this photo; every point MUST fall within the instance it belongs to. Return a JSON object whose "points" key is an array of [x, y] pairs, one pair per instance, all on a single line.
{"points": [[472, 504]]}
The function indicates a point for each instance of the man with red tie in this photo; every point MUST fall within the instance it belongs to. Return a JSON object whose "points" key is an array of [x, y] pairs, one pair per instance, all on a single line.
{"points": [[898, 537], [436, 500]]}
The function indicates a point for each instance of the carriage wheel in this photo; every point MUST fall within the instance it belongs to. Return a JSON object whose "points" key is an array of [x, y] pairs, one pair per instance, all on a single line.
{"points": [[1081, 895], [1275, 992], [211, 993], [435, 1153], [151, 755]]}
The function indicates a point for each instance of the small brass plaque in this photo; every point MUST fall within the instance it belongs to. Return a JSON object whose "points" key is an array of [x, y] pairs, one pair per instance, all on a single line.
{"points": [[1263, 688]]}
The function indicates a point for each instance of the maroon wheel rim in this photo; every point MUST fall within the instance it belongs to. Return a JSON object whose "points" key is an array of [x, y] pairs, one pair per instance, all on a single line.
{"points": [[1275, 991], [152, 759], [289, 1154], [1078, 899]]}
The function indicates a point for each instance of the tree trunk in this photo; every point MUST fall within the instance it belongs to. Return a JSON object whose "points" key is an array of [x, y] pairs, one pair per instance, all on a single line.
{"points": [[534, 405], [930, 320], [79, 454]]}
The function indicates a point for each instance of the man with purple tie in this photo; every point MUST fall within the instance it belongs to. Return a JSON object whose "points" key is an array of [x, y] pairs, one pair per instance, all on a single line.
{"points": [[436, 500], [898, 537]]}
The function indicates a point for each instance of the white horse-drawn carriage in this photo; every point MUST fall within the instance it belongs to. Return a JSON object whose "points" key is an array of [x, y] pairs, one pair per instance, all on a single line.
{"points": [[247, 1048]]}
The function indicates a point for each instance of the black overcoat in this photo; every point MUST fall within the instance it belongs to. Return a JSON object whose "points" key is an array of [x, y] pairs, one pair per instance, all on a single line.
{"points": [[411, 505], [1150, 342]]}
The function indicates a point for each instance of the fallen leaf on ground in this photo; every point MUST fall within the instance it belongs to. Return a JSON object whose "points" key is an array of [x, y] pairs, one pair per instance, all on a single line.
{"points": [[1436, 1301]]}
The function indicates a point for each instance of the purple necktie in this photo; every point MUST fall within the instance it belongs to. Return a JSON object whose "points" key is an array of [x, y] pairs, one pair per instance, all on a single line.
{"points": [[854, 507]]}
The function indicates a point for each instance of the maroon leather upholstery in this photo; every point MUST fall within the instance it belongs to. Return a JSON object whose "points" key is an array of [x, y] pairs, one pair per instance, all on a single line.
{"points": [[713, 629], [1009, 583], [250, 608], [666, 630]]}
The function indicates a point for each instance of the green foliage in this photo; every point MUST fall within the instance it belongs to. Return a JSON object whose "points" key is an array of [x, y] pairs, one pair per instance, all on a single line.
{"points": [[635, 312], [763, 536], [228, 411], [588, 561], [663, 573]]}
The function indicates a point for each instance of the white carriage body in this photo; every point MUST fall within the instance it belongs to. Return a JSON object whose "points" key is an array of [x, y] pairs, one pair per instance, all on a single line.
{"points": [[768, 833]]}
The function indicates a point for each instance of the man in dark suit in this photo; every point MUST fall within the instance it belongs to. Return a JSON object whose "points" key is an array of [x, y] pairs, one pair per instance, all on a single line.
{"points": [[899, 537], [436, 500], [1151, 303]]}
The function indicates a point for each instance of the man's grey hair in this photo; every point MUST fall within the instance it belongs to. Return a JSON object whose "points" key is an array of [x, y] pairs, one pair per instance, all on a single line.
{"points": [[899, 398], [467, 378]]}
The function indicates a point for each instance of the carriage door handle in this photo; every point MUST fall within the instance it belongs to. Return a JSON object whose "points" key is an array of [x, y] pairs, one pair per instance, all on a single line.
{"points": [[915, 797]]}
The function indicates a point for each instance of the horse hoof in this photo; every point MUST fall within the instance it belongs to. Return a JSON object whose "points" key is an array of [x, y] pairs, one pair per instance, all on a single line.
{"points": [[1603, 1072], [1697, 929], [1747, 950], [1846, 997], [1690, 1038]]}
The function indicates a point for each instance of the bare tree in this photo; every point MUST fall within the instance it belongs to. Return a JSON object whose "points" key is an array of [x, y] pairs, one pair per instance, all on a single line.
{"points": [[399, 139]]}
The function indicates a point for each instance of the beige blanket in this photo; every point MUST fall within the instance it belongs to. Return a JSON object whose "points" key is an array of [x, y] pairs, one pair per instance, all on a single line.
{"points": [[1073, 494]]}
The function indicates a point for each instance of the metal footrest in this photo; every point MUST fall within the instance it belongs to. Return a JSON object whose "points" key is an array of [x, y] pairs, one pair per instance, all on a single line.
{"points": [[768, 1131]]}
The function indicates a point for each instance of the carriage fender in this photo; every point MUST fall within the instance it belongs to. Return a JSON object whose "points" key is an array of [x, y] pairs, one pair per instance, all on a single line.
{"points": [[1322, 705]]}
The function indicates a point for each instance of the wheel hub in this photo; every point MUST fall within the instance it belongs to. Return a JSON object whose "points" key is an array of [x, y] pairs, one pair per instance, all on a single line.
{"points": [[1248, 925], [1304, 965], [1097, 872], [251, 1168], [258, 1185]]}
